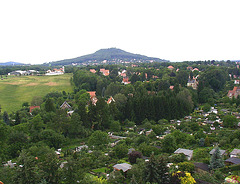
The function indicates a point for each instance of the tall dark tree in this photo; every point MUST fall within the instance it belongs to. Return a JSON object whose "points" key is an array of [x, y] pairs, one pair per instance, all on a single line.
{"points": [[49, 105], [156, 170], [216, 160], [5, 118]]}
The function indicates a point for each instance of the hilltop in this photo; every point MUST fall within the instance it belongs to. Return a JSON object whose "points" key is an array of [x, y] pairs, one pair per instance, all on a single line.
{"points": [[110, 55], [11, 63]]}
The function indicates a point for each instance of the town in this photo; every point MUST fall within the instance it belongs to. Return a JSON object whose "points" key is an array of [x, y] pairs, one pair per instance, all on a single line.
{"points": [[147, 122]]}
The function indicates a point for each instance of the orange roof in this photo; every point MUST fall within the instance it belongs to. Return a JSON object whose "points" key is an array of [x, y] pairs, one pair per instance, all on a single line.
{"points": [[33, 107], [170, 67], [92, 93], [110, 100], [93, 70], [125, 79], [171, 87]]}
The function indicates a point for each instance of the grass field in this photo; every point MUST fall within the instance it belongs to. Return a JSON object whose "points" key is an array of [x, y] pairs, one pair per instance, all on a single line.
{"points": [[14, 91]]}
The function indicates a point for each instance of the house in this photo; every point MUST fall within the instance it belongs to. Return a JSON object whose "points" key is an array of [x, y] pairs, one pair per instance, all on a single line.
{"points": [[195, 69], [192, 83], [234, 93], [235, 153], [170, 67], [188, 153], [110, 100], [189, 68], [104, 72], [232, 161], [56, 71], [93, 70], [236, 81], [125, 81], [123, 166], [93, 97], [65, 105], [222, 152], [33, 107], [171, 87]]}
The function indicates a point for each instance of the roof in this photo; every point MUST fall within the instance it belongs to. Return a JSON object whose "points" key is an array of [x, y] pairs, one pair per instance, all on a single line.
{"points": [[170, 67], [186, 152], [233, 160], [222, 152], [123, 166], [92, 93], [65, 105], [235, 152], [202, 166], [111, 99], [33, 107]]}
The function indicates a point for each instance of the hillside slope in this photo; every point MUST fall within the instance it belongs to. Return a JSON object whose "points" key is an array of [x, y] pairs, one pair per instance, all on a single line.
{"points": [[110, 54]]}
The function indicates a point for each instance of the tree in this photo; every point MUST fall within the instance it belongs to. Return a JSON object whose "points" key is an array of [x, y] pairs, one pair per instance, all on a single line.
{"points": [[5, 118], [133, 156], [120, 150], [49, 105], [186, 166], [169, 144], [36, 101], [115, 126], [230, 121], [216, 160], [156, 170], [98, 139]]}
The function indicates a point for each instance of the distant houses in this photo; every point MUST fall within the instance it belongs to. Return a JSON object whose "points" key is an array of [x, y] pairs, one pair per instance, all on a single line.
{"points": [[20, 72], [56, 71], [234, 93]]}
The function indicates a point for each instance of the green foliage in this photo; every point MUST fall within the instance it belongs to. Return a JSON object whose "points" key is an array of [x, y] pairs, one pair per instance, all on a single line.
{"points": [[216, 160], [156, 170], [186, 166], [120, 150], [169, 144], [229, 121], [98, 139]]}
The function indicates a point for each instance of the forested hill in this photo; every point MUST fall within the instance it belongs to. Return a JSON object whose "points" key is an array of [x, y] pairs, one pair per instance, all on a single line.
{"points": [[110, 55], [10, 64]]}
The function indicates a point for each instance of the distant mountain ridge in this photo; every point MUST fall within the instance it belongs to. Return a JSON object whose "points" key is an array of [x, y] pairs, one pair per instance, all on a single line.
{"points": [[110, 54], [10, 63]]}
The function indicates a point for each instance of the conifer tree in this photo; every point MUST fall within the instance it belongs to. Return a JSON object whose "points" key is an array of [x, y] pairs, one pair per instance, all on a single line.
{"points": [[156, 170], [216, 160]]}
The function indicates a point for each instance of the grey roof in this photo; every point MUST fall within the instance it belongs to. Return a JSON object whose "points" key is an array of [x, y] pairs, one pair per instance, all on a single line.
{"points": [[65, 103], [202, 166], [123, 166], [186, 152], [222, 152], [233, 160], [235, 152]]}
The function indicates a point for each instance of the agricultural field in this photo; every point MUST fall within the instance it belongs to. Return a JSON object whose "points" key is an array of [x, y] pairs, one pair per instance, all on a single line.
{"points": [[15, 90]]}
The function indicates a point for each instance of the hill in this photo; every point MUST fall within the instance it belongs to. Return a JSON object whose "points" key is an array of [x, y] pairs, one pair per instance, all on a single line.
{"points": [[11, 63], [17, 90], [110, 55]]}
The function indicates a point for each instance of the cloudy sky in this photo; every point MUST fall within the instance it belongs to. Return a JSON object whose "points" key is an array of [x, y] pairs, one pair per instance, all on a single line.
{"points": [[49, 30]]}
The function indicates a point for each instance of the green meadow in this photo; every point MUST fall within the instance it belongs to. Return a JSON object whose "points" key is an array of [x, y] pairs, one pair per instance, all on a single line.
{"points": [[15, 90]]}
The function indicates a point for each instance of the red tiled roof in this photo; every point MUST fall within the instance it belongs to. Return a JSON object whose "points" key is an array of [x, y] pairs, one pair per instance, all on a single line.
{"points": [[33, 107], [92, 93]]}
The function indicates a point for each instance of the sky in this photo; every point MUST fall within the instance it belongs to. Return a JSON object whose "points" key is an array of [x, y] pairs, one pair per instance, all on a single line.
{"points": [[42, 31]]}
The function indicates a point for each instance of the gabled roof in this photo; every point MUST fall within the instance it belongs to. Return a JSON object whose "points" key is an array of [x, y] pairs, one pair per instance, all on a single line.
{"points": [[222, 152], [65, 105], [235, 152], [233, 160], [123, 166], [111, 99], [186, 152]]}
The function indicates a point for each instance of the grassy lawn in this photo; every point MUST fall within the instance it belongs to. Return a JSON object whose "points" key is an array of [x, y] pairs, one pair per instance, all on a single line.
{"points": [[103, 169], [14, 91]]}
